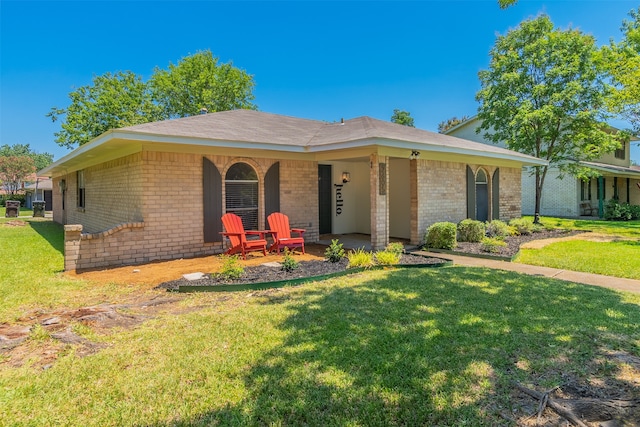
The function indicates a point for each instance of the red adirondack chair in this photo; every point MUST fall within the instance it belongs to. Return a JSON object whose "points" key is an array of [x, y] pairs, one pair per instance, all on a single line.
{"points": [[279, 225], [234, 231]]}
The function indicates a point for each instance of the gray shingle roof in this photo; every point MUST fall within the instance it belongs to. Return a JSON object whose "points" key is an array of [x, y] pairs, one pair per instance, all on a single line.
{"points": [[266, 128], [248, 129]]}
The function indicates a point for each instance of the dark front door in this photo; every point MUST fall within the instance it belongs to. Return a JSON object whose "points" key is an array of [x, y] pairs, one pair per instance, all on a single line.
{"points": [[324, 198]]}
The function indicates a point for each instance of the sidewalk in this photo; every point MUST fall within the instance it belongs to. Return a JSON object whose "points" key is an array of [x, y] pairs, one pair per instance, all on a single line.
{"points": [[628, 285]]}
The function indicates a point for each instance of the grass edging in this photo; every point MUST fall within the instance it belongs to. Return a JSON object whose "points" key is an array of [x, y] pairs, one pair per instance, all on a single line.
{"points": [[483, 256], [302, 280]]}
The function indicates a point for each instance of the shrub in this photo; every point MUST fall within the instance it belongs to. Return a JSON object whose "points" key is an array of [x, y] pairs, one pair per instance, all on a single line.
{"points": [[334, 252], [360, 258], [395, 247], [288, 263], [387, 257], [614, 211], [522, 226], [492, 244], [231, 268], [441, 235], [498, 229], [470, 230]]}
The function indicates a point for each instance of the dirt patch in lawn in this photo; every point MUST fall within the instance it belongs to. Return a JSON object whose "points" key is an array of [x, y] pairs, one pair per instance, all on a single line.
{"points": [[15, 223], [165, 271], [591, 237]]}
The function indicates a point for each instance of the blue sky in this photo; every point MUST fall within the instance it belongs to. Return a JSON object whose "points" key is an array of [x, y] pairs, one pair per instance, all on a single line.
{"points": [[318, 60]]}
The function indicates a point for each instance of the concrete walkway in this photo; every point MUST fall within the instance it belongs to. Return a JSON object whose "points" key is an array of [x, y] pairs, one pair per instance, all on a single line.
{"points": [[628, 285]]}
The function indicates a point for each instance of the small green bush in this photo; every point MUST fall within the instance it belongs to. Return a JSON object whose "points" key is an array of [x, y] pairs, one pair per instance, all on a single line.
{"points": [[395, 247], [522, 226], [288, 263], [492, 244], [334, 251], [231, 268], [441, 235], [498, 229], [470, 230], [615, 211], [387, 257], [360, 258]]}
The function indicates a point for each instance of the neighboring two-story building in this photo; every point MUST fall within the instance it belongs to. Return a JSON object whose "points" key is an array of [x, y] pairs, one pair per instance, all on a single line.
{"points": [[568, 196]]}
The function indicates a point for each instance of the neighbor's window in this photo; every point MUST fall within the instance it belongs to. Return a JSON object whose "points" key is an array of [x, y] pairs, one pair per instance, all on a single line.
{"points": [[241, 189], [585, 190], [620, 152], [81, 198]]}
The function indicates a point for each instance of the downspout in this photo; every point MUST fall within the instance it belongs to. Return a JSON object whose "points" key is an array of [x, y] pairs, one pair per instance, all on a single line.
{"points": [[600, 196]]}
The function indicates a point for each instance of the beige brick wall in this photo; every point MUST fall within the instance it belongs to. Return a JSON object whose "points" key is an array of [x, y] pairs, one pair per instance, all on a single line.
{"points": [[299, 195], [442, 195], [113, 195], [168, 206], [510, 193], [378, 181], [439, 193]]}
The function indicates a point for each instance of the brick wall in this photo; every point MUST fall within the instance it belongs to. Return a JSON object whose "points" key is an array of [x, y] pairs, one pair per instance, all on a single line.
{"points": [[510, 193], [439, 193], [559, 196], [121, 245], [113, 195], [165, 207], [379, 183], [299, 195]]}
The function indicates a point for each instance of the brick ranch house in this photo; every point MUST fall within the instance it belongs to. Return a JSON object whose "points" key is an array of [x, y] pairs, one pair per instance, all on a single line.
{"points": [[156, 191]]}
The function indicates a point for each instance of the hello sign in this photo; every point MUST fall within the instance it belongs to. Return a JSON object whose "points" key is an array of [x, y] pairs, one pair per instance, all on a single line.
{"points": [[339, 200]]}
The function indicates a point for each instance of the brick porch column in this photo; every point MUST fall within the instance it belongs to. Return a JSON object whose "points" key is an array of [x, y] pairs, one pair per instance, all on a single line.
{"points": [[379, 195], [414, 193], [72, 236]]}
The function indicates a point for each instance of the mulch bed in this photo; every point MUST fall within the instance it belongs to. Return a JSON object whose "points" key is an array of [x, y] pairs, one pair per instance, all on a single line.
{"points": [[265, 274], [513, 243]]}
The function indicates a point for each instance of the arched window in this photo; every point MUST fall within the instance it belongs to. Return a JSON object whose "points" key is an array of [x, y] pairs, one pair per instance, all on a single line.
{"points": [[241, 189]]}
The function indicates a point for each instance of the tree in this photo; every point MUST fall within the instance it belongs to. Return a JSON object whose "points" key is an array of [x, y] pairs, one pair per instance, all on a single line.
{"points": [[40, 160], [448, 124], [622, 61], [543, 95], [14, 170], [111, 101], [506, 3], [124, 99], [200, 81], [402, 118]]}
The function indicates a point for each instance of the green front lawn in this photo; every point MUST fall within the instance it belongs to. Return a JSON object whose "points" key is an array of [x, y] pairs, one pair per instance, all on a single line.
{"points": [[407, 347], [618, 259], [615, 228], [410, 347]]}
